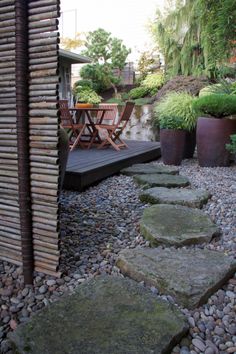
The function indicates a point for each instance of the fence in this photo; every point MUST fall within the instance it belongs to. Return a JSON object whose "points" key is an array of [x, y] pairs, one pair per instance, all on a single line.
{"points": [[29, 135]]}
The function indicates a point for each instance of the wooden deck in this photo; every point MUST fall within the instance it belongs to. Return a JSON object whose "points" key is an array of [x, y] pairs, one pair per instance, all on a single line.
{"points": [[86, 167]]}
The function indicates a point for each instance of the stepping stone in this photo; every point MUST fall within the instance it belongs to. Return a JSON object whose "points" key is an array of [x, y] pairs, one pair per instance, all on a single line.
{"points": [[149, 168], [105, 315], [190, 276], [161, 180], [194, 198], [176, 225]]}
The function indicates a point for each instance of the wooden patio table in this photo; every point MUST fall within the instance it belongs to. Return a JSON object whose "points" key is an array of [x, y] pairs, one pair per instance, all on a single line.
{"points": [[93, 132]]}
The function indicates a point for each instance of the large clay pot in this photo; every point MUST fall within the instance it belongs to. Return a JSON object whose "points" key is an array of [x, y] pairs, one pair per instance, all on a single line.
{"points": [[212, 135], [190, 144], [172, 146], [63, 153]]}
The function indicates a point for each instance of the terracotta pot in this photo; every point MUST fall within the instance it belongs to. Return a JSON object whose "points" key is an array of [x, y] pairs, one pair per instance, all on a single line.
{"points": [[212, 135], [190, 144], [83, 105], [172, 146]]}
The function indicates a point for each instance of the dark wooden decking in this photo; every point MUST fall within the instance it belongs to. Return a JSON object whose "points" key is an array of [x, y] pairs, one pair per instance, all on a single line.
{"points": [[86, 167]]}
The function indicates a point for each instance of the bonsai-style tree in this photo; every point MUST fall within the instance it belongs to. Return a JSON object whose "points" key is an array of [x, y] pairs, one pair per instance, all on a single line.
{"points": [[107, 53]]}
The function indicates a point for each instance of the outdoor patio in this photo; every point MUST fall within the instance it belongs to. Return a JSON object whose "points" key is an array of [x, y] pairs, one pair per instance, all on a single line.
{"points": [[86, 167]]}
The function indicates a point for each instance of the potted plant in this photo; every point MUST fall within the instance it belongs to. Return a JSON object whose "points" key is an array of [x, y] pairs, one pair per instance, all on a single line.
{"points": [[232, 146], [214, 126], [177, 117], [86, 98]]}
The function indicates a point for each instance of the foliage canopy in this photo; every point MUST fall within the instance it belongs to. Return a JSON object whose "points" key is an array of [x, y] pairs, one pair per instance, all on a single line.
{"points": [[107, 53], [196, 36]]}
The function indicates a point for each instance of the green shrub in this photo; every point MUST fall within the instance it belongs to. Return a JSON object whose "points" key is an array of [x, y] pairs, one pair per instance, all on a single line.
{"points": [[232, 146], [88, 95], [217, 106], [153, 81], [84, 83], [138, 92], [223, 87], [175, 111], [124, 96]]}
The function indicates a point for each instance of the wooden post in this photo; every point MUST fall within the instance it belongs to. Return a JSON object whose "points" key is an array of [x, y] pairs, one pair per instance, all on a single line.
{"points": [[22, 114]]}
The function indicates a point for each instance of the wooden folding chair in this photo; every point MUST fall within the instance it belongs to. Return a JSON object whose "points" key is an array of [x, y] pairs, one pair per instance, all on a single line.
{"points": [[110, 116], [114, 131], [67, 122]]}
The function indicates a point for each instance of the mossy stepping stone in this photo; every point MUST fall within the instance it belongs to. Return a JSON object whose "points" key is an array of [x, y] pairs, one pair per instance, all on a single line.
{"points": [[161, 180], [176, 225], [190, 276], [149, 168], [106, 315], [188, 197]]}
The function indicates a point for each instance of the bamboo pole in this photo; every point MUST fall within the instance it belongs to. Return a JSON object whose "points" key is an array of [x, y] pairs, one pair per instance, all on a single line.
{"points": [[4, 3], [49, 234], [43, 29], [43, 41], [22, 137], [43, 9], [43, 16], [45, 23], [44, 93], [41, 3], [48, 173], [44, 80], [44, 197], [43, 73]]}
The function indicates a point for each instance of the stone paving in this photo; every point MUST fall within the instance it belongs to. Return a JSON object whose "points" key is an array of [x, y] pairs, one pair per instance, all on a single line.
{"points": [[107, 315], [176, 225], [194, 198], [212, 325]]}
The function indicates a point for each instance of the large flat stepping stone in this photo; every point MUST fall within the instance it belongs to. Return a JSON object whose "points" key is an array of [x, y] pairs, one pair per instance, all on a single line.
{"points": [[149, 168], [176, 225], [194, 198], [106, 315], [161, 180], [190, 276]]}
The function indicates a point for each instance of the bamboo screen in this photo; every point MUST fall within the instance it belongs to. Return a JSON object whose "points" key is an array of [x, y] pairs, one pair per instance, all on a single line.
{"points": [[29, 79]]}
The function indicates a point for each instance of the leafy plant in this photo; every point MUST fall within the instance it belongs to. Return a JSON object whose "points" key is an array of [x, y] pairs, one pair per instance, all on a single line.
{"points": [[87, 95], [153, 81], [223, 87], [84, 83], [217, 106], [138, 92], [232, 146], [175, 111]]}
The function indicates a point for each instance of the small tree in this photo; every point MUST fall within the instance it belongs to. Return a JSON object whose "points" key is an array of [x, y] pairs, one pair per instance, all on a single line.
{"points": [[107, 53]]}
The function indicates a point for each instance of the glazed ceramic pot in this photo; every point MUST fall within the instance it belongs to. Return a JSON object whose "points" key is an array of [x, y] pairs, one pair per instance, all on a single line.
{"points": [[212, 136], [172, 146]]}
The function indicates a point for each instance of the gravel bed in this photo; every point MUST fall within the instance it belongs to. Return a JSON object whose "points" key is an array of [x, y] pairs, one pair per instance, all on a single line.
{"points": [[96, 225]]}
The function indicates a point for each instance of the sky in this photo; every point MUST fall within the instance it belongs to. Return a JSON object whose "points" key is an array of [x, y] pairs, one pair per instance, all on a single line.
{"points": [[125, 19]]}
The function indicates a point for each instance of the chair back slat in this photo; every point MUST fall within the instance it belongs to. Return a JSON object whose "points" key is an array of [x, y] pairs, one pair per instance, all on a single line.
{"points": [[66, 118], [126, 113], [110, 116]]}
